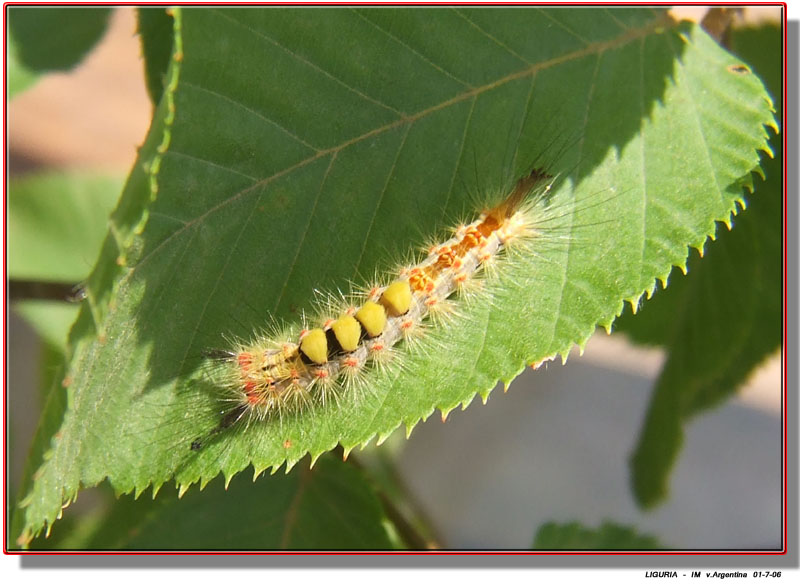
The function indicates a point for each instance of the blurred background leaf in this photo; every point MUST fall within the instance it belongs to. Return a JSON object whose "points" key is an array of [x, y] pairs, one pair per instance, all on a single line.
{"points": [[331, 506], [55, 38], [56, 224], [575, 536]]}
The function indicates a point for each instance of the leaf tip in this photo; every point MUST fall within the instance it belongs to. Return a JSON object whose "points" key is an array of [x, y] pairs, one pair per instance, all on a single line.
{"points": [[541, 362], [183, 488], [465, 404]]}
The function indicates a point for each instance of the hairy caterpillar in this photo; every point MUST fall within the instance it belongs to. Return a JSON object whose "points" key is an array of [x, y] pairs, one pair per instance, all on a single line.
{"points": [[302, 368]]}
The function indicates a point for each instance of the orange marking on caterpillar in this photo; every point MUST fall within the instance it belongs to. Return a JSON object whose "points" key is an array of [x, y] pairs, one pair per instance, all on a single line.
{"points": [[472, 238], [447, 257], [419, 281]]}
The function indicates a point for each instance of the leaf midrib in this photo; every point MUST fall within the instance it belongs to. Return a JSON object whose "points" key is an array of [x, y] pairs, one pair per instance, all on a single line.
{"points": [[598, 48]]}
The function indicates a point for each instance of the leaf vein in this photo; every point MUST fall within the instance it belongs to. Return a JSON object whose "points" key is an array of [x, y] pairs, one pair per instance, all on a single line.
{"points": [[314, 66], [596, 48], [415, 52], [560, 24], [460, 156], [305, 234], [611, 15], [250, 110], [210, 163], [491, 37], [389, 175]]}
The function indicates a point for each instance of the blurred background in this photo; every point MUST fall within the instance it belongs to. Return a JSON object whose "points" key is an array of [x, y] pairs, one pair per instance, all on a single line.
{"points": [[555, 448]]}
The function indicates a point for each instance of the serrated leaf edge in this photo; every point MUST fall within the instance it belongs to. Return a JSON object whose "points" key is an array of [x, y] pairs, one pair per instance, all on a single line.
{"points": [[29, 532]]}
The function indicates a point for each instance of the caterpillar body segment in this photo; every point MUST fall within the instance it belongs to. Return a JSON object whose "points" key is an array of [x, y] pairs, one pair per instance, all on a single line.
{"points": [[271, 376]]}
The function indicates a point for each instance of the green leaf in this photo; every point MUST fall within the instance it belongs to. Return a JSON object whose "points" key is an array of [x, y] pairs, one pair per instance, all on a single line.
{"points": [[55, 38], [56, 224], [49, 362], [18, 77], [574, 536], [50, 319], [295, 150], [328, 507], [155, 30], [49, 423], [720, 321]]}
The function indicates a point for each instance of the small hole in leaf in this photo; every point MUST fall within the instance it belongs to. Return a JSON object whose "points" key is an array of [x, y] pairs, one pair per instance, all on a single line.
{"points": [[739, 69]]}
